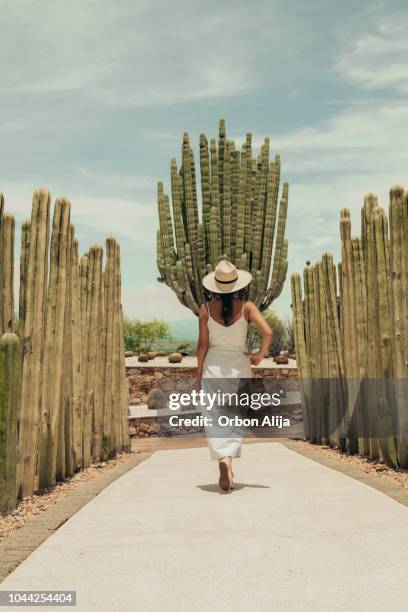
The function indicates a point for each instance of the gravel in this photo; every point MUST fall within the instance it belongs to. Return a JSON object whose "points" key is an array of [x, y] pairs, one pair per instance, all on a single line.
{"points": [[30, 507], [377, 468]]}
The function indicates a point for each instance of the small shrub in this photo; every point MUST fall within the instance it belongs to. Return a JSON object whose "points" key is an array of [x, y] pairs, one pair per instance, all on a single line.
{"points": [[279, 334], [183, 348]]}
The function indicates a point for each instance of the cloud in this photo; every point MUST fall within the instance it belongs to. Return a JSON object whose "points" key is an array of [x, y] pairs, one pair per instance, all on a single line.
{"points": [[122, 181], [122, 218], [364, 138], [333, 165], [132, 54], [378, 59], [169, 141], [153, 301], [94, 216], [71, 78]]}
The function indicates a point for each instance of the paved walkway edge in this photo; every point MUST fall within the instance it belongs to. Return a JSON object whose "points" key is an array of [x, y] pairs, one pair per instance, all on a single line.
{"points": [[21, 543], [386, 486]]}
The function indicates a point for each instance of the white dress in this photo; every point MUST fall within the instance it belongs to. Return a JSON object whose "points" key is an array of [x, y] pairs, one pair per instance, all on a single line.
{"points": [[226, 360]]}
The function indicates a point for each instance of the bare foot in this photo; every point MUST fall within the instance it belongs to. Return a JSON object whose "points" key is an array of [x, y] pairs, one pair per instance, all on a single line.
{"points": [[225, 480], [231, 476]]}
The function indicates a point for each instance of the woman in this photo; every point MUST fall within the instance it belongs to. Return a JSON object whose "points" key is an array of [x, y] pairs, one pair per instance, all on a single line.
{"points": [[222, 352]]}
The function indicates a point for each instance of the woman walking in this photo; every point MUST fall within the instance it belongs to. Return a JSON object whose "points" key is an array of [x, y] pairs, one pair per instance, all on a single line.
{"points": [[223, 323]]}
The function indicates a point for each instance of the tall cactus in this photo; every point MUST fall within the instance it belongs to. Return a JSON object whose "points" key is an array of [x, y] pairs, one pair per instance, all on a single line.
{"points": [[92, 415], [115, 402], [98, 451], [399, 292], [121, 401], [370, 202], [10, 372], [361, 335], [1, 261], [66, 432], [108, 375], [8, 273], [53, 381], [24, 257], [77, 366], [242, 220], [67, 329], [349, 326], [124, 389], [302, 357], [34, 336], [384, 346]]}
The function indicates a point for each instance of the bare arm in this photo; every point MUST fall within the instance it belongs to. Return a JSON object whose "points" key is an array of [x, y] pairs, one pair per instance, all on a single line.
{"points": [[254, 315], [202, 346]]}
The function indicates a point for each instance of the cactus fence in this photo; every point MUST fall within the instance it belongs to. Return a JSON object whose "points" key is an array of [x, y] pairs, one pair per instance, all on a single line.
{"points": [[351, 334], [63, 397], [241, 220]]}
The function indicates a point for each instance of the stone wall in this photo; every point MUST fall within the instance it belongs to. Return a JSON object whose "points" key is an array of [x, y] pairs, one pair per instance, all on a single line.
{"points": [[155, 426], [143, 379]]}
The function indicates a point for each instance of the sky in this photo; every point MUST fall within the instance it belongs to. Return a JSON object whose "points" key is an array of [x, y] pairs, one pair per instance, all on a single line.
{"points": [[95, 97]]}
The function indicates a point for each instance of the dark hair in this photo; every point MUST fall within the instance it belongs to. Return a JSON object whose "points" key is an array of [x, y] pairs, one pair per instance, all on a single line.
{"points": [[227, 301], [226, 306]]}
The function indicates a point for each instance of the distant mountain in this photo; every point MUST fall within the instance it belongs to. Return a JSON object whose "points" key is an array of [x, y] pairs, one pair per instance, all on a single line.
{"points": [[185, 329]]}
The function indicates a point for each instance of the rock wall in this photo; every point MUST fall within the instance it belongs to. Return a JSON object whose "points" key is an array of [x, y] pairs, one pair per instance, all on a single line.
{"points": [[143, 379], [154, 426]]}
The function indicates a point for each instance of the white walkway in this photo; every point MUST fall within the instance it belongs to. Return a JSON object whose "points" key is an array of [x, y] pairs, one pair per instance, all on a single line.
{"points": [[294, 535]]}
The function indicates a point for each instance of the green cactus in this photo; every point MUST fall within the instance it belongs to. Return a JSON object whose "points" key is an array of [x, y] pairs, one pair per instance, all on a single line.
{"points": [[24, 257], [302, 357], [8, 273], [1, 259], [70, 327], [116, 404], [398, 215], [66, 433], [50, 463], [370, 202], [335, 390], [384, 317], [336, 364], [77, 366], [93, 414], [360, 335], [241, 220], [86, 422], [121, 412], [10, 387], [34, 337], [319, 350], [109, 280]]}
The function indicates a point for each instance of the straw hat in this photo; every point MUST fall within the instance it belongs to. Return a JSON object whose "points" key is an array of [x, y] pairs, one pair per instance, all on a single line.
{"points": [[226, 278]]}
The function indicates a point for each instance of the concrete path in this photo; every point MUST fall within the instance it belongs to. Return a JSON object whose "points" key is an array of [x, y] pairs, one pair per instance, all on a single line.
{"points": [[294, 535]]}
